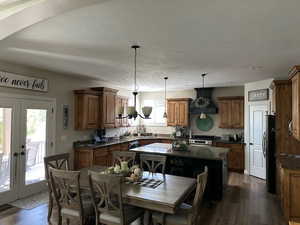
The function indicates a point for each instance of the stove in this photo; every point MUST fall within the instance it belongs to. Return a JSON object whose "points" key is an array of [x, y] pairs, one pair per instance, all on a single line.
{"points": [[202, 140]]}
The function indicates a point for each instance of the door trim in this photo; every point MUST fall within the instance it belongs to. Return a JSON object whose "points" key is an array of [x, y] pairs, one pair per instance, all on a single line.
{"points": [[251, 104]]}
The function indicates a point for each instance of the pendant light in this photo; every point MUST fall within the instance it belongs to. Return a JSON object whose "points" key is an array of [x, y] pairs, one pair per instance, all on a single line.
{"points": [[165, 113], [203, 115], [131, 110]]}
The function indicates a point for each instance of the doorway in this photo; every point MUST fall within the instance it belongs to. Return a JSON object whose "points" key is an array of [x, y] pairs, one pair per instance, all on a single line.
{"points": [[257, 120], [26, 137]]}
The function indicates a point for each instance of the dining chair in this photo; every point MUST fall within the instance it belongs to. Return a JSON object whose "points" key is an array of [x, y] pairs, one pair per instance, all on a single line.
{"points": [[119, 156], [153, 163], [66, 189], [187, 214], [106, 191], [60, 161]]}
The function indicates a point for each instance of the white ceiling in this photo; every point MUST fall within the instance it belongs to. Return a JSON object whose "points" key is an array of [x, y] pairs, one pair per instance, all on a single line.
{"points": [[234, 41]]}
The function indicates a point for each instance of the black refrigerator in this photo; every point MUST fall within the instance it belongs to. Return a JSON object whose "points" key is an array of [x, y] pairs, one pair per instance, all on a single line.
{"points": [[269, 149]]}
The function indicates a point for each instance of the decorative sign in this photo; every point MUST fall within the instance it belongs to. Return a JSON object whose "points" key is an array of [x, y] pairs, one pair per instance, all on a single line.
{"points": [[258, 95], [23, 82]]}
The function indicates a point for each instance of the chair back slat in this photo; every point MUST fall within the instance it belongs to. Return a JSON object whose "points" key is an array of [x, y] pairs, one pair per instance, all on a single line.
{"points": [[106, 194], [66, 188], [153, 163], [60, 161], [119, 156], [201, 184]]}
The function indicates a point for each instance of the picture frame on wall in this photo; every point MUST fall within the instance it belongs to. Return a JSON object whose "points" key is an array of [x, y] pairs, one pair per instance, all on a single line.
{"points": [[65, 116], [258, 95]]}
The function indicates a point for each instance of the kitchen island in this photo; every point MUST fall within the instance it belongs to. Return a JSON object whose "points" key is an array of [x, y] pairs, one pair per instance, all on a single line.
{"points": [[191, 162]]}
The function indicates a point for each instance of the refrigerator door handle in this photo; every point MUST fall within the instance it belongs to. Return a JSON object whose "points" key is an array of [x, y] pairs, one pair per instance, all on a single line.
{"points": [[264, 144]]}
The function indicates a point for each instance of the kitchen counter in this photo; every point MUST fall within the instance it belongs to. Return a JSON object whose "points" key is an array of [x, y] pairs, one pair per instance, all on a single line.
{"points": [[228, 142], [198, 152], [120, 141]]}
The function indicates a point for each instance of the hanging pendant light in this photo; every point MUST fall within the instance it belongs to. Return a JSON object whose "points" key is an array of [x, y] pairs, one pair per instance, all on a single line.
{"points": [[131, 110], [165, 113], [203, 115]]}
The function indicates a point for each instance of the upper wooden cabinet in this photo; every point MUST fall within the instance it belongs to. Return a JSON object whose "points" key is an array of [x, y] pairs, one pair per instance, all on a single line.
{"points": [[86, 109], [107, 107], [231, 110], [95, 108], [178, 111], [295, 124]]}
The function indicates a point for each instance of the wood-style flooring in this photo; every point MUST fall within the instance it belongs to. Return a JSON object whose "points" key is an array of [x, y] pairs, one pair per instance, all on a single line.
{"points": [[246, 202]]}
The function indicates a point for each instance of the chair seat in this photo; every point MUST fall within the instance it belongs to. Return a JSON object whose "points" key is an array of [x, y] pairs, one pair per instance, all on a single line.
{"points": [[180, 218], [87, 209], [131, 213]]}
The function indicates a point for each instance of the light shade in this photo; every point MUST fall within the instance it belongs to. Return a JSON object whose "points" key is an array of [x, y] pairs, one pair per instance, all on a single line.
{"points": [[147, 110], [120, 110], [130, 110], [165, 115], [202, 116]]}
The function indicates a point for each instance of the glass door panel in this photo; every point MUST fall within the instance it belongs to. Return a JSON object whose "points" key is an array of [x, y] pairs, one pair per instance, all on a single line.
{"points": [[36, 140], [5, 149]]}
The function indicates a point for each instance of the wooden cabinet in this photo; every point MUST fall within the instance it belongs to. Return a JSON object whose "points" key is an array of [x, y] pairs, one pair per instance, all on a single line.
{"points": [[107, 107], [178, 112], [231, 110], [86, 109], [291, 195], [295, 125], [121, 102], [100, 157], [236, 155]]}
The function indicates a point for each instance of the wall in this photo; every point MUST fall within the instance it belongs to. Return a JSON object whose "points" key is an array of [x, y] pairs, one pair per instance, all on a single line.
{"points": [[249, 87], [218, 92], [61, 88]]}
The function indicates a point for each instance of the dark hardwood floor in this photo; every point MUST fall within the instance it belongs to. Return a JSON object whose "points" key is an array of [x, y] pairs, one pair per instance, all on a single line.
{"points": [[246, 202]]}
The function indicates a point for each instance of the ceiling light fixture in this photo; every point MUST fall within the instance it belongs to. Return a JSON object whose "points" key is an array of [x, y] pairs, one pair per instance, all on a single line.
{"points": [[165, 113], [131, 110], [203, 115]]}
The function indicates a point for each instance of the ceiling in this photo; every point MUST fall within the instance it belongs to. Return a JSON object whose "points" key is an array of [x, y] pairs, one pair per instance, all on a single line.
{"points": [[234, 41]]}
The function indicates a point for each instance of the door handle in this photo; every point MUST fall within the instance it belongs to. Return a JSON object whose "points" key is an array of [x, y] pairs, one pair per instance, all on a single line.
{"points": [[290, 128], [22, 153], [250, 143], [15, 154], [264, 144]]}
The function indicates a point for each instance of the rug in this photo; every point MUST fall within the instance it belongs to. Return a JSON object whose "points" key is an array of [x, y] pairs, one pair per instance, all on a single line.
{"points": [[32, 201]]}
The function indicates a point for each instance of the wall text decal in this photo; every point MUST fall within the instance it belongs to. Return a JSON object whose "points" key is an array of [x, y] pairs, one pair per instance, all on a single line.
{"points": [[18, 81]]}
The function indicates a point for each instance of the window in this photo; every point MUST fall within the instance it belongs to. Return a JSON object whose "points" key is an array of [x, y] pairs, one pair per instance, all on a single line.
{"points": [[158, 109]]}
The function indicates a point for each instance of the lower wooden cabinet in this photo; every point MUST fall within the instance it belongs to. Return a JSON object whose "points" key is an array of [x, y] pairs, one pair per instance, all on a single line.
{"points": [[236, 155], [290, 195]]}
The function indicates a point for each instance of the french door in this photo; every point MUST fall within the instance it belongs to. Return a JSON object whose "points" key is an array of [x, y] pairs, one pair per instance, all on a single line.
{"points": [[26, 136]]}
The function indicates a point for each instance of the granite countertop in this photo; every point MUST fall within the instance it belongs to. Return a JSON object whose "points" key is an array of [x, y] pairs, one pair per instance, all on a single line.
{"points": [[291, 162], [120, 141], [228, 142], [199, 152]]}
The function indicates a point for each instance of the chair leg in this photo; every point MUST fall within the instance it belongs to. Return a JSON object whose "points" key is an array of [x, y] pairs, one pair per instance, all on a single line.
{"points": [[142, 219], [50, 207], [68, 221], [59, 222]]}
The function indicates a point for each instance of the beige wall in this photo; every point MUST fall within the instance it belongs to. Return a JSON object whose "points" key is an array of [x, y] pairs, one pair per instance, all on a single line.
{"points": [[61, 88], [218, 92]]}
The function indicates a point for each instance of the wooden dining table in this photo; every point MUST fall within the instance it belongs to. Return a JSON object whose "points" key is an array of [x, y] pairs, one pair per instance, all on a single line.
{"points": [[165, 198]]}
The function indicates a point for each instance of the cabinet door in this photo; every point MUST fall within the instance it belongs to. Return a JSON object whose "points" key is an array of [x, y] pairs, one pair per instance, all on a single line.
{"points": [[171, 113], [295, 106], [109, 104], [100, 157], [237, 107], [110, 150], [92, 111], [182, 113], [225, 113], [124, 103], [118, 122]]}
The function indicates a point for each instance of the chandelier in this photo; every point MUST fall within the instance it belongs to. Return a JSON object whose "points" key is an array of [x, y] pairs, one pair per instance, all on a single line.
{"points": [[131, 110]]}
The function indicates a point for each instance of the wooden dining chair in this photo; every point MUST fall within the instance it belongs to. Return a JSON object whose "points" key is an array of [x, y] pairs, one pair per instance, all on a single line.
{"points": [[153, 163], [60, 161], [106, 191], [119, 156], [187, 214], [67, 193]]}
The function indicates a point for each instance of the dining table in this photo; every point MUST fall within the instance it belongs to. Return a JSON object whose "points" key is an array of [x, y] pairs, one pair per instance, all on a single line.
{"points": [[165, 198]]}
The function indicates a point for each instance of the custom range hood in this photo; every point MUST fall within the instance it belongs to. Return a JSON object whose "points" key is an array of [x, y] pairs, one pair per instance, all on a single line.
{"points": [[203, 104]]}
